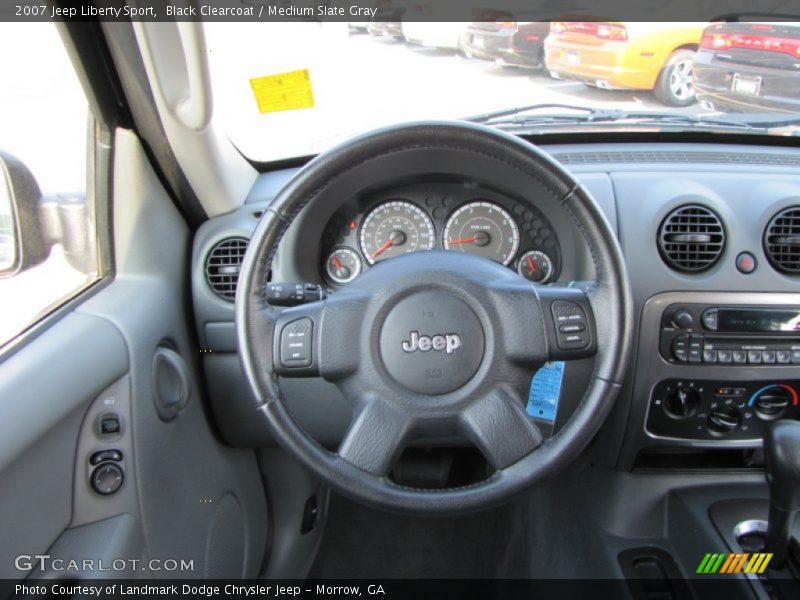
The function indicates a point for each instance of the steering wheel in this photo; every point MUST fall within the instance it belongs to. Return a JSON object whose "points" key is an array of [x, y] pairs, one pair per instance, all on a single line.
{"points": [[439, 343]]}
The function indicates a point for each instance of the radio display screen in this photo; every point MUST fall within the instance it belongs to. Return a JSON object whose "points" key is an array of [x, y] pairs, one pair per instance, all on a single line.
{"points": [[758, 320]]}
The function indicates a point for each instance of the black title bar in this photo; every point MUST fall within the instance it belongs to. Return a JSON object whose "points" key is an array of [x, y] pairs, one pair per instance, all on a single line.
{"points": [[393, 10]]}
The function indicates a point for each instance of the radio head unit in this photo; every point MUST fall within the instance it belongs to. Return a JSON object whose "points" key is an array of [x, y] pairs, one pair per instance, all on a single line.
{"points": [[736, 335]]}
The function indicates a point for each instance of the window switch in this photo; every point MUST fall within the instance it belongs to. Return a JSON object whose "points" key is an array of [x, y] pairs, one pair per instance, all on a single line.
{"points": [[109, 425]]}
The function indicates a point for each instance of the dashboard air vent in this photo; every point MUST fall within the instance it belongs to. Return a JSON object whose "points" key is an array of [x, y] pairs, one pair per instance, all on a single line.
{"points": [[223, 265], [770, 159], [782, 241], [691, 239]]}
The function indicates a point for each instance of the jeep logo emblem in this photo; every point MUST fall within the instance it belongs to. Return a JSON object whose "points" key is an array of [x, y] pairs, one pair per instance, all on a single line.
{"points": [[448, 343]]}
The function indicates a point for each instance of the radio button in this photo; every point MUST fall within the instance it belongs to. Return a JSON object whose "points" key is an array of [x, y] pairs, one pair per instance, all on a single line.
{"points": [[783, 357], [682, 319], [739, 357], [680, 347], [695, 348], [709, 356], [795, 356], [724, 356], [754, 357], [710, 319], [768, 356]]}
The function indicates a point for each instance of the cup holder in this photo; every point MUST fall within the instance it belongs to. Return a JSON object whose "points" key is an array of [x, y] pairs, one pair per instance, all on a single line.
{"points": [[751, 535]]}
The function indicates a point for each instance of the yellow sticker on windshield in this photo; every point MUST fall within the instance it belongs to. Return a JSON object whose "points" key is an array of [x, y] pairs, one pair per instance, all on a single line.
{"points": [[284, 91]]}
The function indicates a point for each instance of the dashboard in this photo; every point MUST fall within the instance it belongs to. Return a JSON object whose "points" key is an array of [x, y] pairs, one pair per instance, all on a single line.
{"points": [[705, 229], [456, 216]]}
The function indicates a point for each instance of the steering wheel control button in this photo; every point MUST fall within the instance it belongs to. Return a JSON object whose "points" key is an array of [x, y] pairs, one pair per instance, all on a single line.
{"points": [[296, 343], [107, 479], [571, 324], [110, 425], [105, 456], [745, 263], [431, 343]]}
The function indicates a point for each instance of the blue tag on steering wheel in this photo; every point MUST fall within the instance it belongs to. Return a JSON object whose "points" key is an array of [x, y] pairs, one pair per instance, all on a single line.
{"points": [[545, 391]]}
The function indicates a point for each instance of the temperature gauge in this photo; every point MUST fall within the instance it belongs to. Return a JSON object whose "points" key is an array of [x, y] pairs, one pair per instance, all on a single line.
{"points": [[343, 265], [535, 266]]}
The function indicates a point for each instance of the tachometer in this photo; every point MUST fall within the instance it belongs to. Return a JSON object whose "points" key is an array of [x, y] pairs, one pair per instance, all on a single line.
{"points": [[485, 229], [393, 228]]}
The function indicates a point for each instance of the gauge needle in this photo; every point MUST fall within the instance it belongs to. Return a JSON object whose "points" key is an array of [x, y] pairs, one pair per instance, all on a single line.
{"points": [[531, 264], [336, 263], [468, 240], [388, 244]]}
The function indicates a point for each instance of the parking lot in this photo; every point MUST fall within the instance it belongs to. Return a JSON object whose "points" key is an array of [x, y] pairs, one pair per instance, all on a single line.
{"points": [[361, 81]]}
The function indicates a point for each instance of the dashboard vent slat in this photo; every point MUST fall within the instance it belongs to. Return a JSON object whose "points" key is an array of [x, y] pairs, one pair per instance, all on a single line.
{"points": [[771, 159], [782, 241], [223, 266], [691, 239]]}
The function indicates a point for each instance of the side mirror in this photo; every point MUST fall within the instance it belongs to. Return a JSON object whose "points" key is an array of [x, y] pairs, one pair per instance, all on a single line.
{"points": [[23, 241]]}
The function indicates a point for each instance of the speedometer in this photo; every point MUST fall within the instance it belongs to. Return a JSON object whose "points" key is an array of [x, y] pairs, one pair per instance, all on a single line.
{"points": [[484, 229], [394, 228]]}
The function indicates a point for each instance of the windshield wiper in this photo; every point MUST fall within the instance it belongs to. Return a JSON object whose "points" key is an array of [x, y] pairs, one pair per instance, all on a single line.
{"points": [[522, 117]]}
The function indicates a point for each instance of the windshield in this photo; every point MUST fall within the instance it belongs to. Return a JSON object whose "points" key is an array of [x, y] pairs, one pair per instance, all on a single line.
{"points": [[294, 89]]}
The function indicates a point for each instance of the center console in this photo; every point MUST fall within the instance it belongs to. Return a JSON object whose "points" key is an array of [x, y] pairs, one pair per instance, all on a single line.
{"points": [[713, 368]]}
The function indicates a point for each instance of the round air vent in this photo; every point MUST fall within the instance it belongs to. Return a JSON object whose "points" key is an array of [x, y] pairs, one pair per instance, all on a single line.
{"points": [[691, 239], [782, 241], [223, 265]]}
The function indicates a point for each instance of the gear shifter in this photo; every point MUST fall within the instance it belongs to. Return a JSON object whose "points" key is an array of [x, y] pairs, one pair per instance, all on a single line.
{"points": [[782, 453]]}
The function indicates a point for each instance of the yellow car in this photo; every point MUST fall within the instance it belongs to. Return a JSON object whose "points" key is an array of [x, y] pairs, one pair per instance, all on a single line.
{"points": [[638, 56]]}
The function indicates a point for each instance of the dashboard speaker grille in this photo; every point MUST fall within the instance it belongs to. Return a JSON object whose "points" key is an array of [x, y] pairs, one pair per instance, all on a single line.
{"points": [[691, 239], [223, 265], [782, 241]]}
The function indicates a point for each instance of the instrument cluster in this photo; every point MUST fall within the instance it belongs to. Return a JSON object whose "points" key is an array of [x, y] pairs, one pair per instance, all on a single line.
{"points": [[451, 216]]}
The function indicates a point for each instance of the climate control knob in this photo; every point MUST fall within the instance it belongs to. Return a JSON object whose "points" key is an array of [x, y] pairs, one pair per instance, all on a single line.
{"points": [[724, 419], [771, 402], [681, 402]]}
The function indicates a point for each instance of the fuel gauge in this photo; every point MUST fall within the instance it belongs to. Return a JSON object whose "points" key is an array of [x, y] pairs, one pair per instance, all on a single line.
{"points": [[535, 266], [343, 265]]}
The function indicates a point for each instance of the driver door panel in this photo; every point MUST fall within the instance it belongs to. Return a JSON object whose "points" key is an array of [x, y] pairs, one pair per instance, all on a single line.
{"points": [[185, 497]]}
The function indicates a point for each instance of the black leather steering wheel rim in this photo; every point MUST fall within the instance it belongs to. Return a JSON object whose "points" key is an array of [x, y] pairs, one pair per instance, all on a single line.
{"points": [[608, 296]]}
